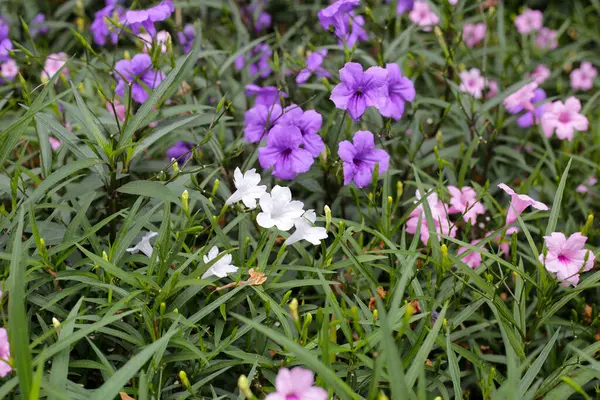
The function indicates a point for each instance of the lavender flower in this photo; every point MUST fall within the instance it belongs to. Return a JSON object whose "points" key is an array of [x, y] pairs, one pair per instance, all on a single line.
{"points": [[404, 6], [259, 120], [313, 66], [358, 32], [5, 43], [266, 96], [102, 28], [137, 73], [37, 26], [261, 53], [284, 154], [527, 119], [360, 158], [309, 122], [359, 90], [138, 19], [186, 37], [336, 15], [180, 151], [400, 89], [254, 13]]}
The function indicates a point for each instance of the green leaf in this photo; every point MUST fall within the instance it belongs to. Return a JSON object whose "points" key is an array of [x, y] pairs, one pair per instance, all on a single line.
{"points": [[151, 189]]}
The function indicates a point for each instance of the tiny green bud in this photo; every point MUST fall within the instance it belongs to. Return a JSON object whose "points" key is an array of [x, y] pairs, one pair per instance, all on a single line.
{"points": [[176, 311], [215, 187], [185, 196], [175, 165], [294, 309], [55, 323], [399, 190], [375, 315], [382, 396], [163, 308], [185, 381], [104, 255], [327, 216], [244, 386]]}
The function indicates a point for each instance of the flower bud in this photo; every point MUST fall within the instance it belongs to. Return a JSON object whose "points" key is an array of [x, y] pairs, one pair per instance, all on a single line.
{"points": [[215, 187], [375, 315], [244, 386], [327, 216], [382, 396], [399, 190], [163, 308], [185, 196], [175, 165], [104, 255], [185, 381], [56, 323], [294, 309]]}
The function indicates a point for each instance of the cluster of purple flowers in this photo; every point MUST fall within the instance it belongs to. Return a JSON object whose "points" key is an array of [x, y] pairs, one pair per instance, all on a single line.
{"points": [[257, 60], [8, 66], [255, 14], [139, 75], [340, 17], [102, 29]]}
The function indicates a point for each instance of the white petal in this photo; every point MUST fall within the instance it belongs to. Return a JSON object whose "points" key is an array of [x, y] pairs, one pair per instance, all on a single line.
{"points": [[264, 219], [249, 201]]}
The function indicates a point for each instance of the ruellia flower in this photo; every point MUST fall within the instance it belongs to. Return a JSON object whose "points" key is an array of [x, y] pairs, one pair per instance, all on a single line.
{"points": [[582, 78], [527, 118], [104, 31], [546, 39], [403, 6], [137, 19], [567, 257], [247, 188], [284, 152], [160, 39], [309, 123], [400, 90], [439, 213], [139, 75], [473, 259], [586, 186], [266, 96], [180, 151], [521, 99], [360, 158], [119, 111], [144, 245], [313, 66], [464, 201], [492, 87], [529, 21], [305, 230], [257, 60], [255, 14], [259, 120], [357, 33], [38, 26], [564, 119], [360, 89], [221, 267], [296, 384], [539, 74], [53, 63], [9, 70], [422, 15], [474, 33], [186, 37], [518, 203], [5, 367], [472, 82], [278, 209], [335, 15]]}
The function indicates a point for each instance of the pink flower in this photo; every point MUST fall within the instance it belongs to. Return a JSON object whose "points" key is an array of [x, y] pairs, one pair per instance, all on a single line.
{"points": [[422, 15], [583, 77], [473, 259], [518, 203], [492, 89], [472, 82], [546, 39], [567, 257], [585, 187], [296, 384], [464, 201], [161, 40], [54, 143], [474, 33], [439, 214], [5, 367], [521, 99], [564, 118], [504, 245], [540, 74], [53, 63], [9, 69], [120, 109], [528, 21]]}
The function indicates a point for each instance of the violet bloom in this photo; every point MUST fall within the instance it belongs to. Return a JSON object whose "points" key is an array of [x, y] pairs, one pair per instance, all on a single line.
{"points": [[400, 89], [360, 158], [529, 21], [359, 90], [138, 19], [358, 32], [567, 258], [255, 13], [5, 43], [335, 15], [583, 77], [313, 66], [180, 151], [464, 201], [422, 15], [284, 154], [521, 99], [259, 120], [586, 186], [472, 82], [546, 39], [527, 119], [37, 26], [186, 37], [474, 33], [102, 29], [139, 75], [266, 96], [258, 57], [403, 6], [518, 203], [296, 384], [565, 119], [309, 122], [473, 259]]}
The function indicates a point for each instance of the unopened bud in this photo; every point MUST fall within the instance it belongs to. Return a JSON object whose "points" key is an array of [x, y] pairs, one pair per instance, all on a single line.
{"points": [[215, 187], [126, 55], [244, 386], [163, 308], [382, 396], [294, 309], [104, 255], [327, 216], [375, 315], [55, 323], [185, 196], [399, 190], [185, 381], [175, 165]]}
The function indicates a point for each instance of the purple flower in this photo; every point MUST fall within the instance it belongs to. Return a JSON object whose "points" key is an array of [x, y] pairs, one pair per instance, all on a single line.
{"points": [[4, 28], [180, 151], [266, 96], [400, 89], [360, 158], [283, 152], [186, 37], [313, 66], [359, 90], [254, 12], [259, 120], [358, 33], [336, 15], [527, 119], [102, 28], [261, 53], [309, 122], [404, 6], [37, 25], [5, 48], [146, 18], [137, 73]]}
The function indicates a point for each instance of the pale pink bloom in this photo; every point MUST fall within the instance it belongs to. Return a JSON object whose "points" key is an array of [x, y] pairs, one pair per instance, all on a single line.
{"points": [[585, 187], [518, 203], [53, 63], [422, 15], [567, 257], [583, 77], [474, 33], [453, 2], [528, 21], [521, 99], [162, 38], [472, 82], [296, 384], [546, 39], [504, 245], [438, 213], [464, 201], [120, 109], [564, 118], [5, 367], [492, 89], [9, 70], [473, 259], [54, 143], [540, 74]]}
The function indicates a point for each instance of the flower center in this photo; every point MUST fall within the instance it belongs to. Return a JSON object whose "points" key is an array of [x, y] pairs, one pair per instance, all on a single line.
{"points": [[292, 397], [563, 259], [564, 117], [471, 82]]}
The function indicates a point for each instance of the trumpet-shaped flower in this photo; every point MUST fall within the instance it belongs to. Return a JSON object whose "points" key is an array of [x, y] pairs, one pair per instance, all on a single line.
{"points": [[583, 77], [138, 74], [474, 33], [247, 188], [564, 119], [567, 257], [266, 96], [5, 367], [284, 152], [422, 15], [305, 230], [278, 209], [400, 89], [518, 203], [296, 384], [309, 122], [521, 99], [259, 121], [221, 267], [472, 82], [529, 21], [464, 201], [360, 158], [144, 245], [313, 66], [546, 39]]}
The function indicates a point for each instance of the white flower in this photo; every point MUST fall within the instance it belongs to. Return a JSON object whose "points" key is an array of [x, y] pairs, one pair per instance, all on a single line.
{"points": [[247, 187], [278, 209], [220, 268], [144, 245], [306, 231]]}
